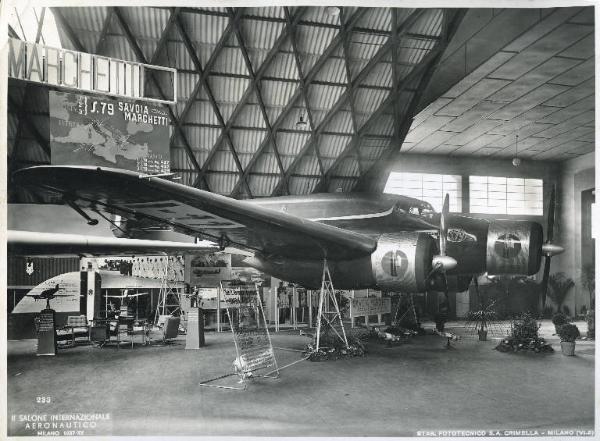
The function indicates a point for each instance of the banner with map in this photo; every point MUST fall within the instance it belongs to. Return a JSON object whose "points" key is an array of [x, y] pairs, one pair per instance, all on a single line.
{"points": [[108, 132]]}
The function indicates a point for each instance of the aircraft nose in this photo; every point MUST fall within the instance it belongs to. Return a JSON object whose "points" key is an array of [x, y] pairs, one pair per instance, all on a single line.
{"points": [[551, 249], [445, 262]]}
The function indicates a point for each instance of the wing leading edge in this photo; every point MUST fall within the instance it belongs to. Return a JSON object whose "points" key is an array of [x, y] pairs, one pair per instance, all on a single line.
{"points": [[196, 212], [31, 243]]}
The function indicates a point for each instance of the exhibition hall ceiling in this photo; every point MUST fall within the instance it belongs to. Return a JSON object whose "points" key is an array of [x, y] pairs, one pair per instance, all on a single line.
{"points": [[538, 87], [294, 100]]}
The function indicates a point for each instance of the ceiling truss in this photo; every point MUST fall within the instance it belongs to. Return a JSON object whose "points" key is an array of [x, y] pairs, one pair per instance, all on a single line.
{"points": [[362, 44]]}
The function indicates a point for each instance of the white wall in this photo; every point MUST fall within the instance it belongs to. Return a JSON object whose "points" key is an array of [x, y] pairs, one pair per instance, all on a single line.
{"points": [[576, 175]]}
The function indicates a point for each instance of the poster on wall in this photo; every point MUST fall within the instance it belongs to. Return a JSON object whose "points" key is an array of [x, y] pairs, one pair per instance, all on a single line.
{"points": [[207, 270], [250, 275], [67, 300], [108, 132], [370, 306]]}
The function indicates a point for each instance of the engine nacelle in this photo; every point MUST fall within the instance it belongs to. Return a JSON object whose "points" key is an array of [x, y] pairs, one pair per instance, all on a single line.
{"points": [[514, 247], [402, 261]]}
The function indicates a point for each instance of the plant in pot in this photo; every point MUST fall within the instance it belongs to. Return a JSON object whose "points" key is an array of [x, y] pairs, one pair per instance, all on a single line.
{"points": [[524, 336], [559, 286], [588, 277], [481, 320], [559, 319], [568, 333]]}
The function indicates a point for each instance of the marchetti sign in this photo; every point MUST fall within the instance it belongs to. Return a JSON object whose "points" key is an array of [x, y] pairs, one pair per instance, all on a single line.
{"points": [[87, 72], [108, 132]]}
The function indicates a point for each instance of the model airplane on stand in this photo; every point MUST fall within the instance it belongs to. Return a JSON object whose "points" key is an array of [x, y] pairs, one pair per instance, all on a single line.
{"points": [[367, 241], [48, 294]]}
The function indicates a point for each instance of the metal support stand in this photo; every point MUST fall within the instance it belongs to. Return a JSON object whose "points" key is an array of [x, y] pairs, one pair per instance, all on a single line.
{"points": [[411, 308], [169, 300], [252, 354], [327, 292]]}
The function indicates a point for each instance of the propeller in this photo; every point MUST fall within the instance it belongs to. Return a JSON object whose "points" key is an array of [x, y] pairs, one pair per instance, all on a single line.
{"points": [[442, 262], [549, 249]]}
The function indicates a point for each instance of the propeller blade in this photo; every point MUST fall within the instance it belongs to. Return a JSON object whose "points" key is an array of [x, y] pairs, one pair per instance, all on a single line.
{"points": [[444, 225], [544, 287], [446, 288], [551, 214], [476, 282]]}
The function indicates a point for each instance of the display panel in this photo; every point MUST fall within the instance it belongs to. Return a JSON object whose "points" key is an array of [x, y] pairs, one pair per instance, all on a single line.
{"points": [[108, 132]]}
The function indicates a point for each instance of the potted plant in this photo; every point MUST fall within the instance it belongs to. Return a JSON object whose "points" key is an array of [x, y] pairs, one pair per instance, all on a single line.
{"points": [[524, 336], [559, 319], [568, 333], [589, 282], [559, 286]]}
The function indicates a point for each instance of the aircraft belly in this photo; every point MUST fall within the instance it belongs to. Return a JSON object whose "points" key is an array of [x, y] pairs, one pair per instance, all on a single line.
{"points": [[346, 274]]}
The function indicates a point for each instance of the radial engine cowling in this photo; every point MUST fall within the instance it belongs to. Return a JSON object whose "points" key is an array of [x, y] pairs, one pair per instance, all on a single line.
{"points": [[514, 247], [402, 261]]}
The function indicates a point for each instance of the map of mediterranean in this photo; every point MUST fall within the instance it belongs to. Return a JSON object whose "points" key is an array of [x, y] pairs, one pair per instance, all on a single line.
{"points": [[89, 130]]}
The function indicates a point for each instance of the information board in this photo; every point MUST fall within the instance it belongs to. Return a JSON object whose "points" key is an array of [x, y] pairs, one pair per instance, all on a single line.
{"points": [[46, 335], [108, 132], [370, 306], [194, 337], [250, 332], [207, 269]]}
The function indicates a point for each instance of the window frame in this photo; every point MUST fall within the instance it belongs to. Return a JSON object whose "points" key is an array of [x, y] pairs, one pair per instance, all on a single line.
{"points": [[506, 195], [423, 186]]}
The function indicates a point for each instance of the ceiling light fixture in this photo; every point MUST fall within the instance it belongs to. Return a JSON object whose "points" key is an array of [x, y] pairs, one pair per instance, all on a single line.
{"points": [[516, 160], [301, 123]]}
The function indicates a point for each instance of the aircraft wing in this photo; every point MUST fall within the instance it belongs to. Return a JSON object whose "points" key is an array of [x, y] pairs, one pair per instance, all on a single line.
{"points": [[30, 243], [37, 296], [196, 212]]}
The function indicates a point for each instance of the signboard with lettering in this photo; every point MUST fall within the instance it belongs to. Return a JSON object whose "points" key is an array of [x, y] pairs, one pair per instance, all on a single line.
{"points": [[194, 336], [250, 333], [108, 132], [207, 270], [74, 70], [370, 306], [46, 335]]}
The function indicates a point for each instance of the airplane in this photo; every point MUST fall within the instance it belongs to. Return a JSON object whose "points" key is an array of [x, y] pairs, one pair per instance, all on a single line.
{"points": [[48, 294], [377, 241], [126, 296]]}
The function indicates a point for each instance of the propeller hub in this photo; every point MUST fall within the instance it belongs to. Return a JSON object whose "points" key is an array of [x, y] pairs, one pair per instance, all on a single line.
{"points": [[550, 249], [444, 262]]}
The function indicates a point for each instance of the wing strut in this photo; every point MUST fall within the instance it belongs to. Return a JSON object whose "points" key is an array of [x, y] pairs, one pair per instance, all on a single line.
{"points": [[83, 214]]}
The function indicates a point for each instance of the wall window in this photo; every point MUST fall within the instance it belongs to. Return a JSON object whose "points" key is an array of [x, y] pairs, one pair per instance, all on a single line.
{"points": [[427, 187], [500, 195]]}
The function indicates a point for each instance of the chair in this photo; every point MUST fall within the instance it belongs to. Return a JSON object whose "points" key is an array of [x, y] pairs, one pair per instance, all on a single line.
{"points": [[77, 326], [102, 329], [125, 327], [137, 327], [170, 329]]}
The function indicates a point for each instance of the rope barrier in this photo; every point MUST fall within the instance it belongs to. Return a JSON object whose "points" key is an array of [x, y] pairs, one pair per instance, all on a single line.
{"points": [[288, 365]]}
